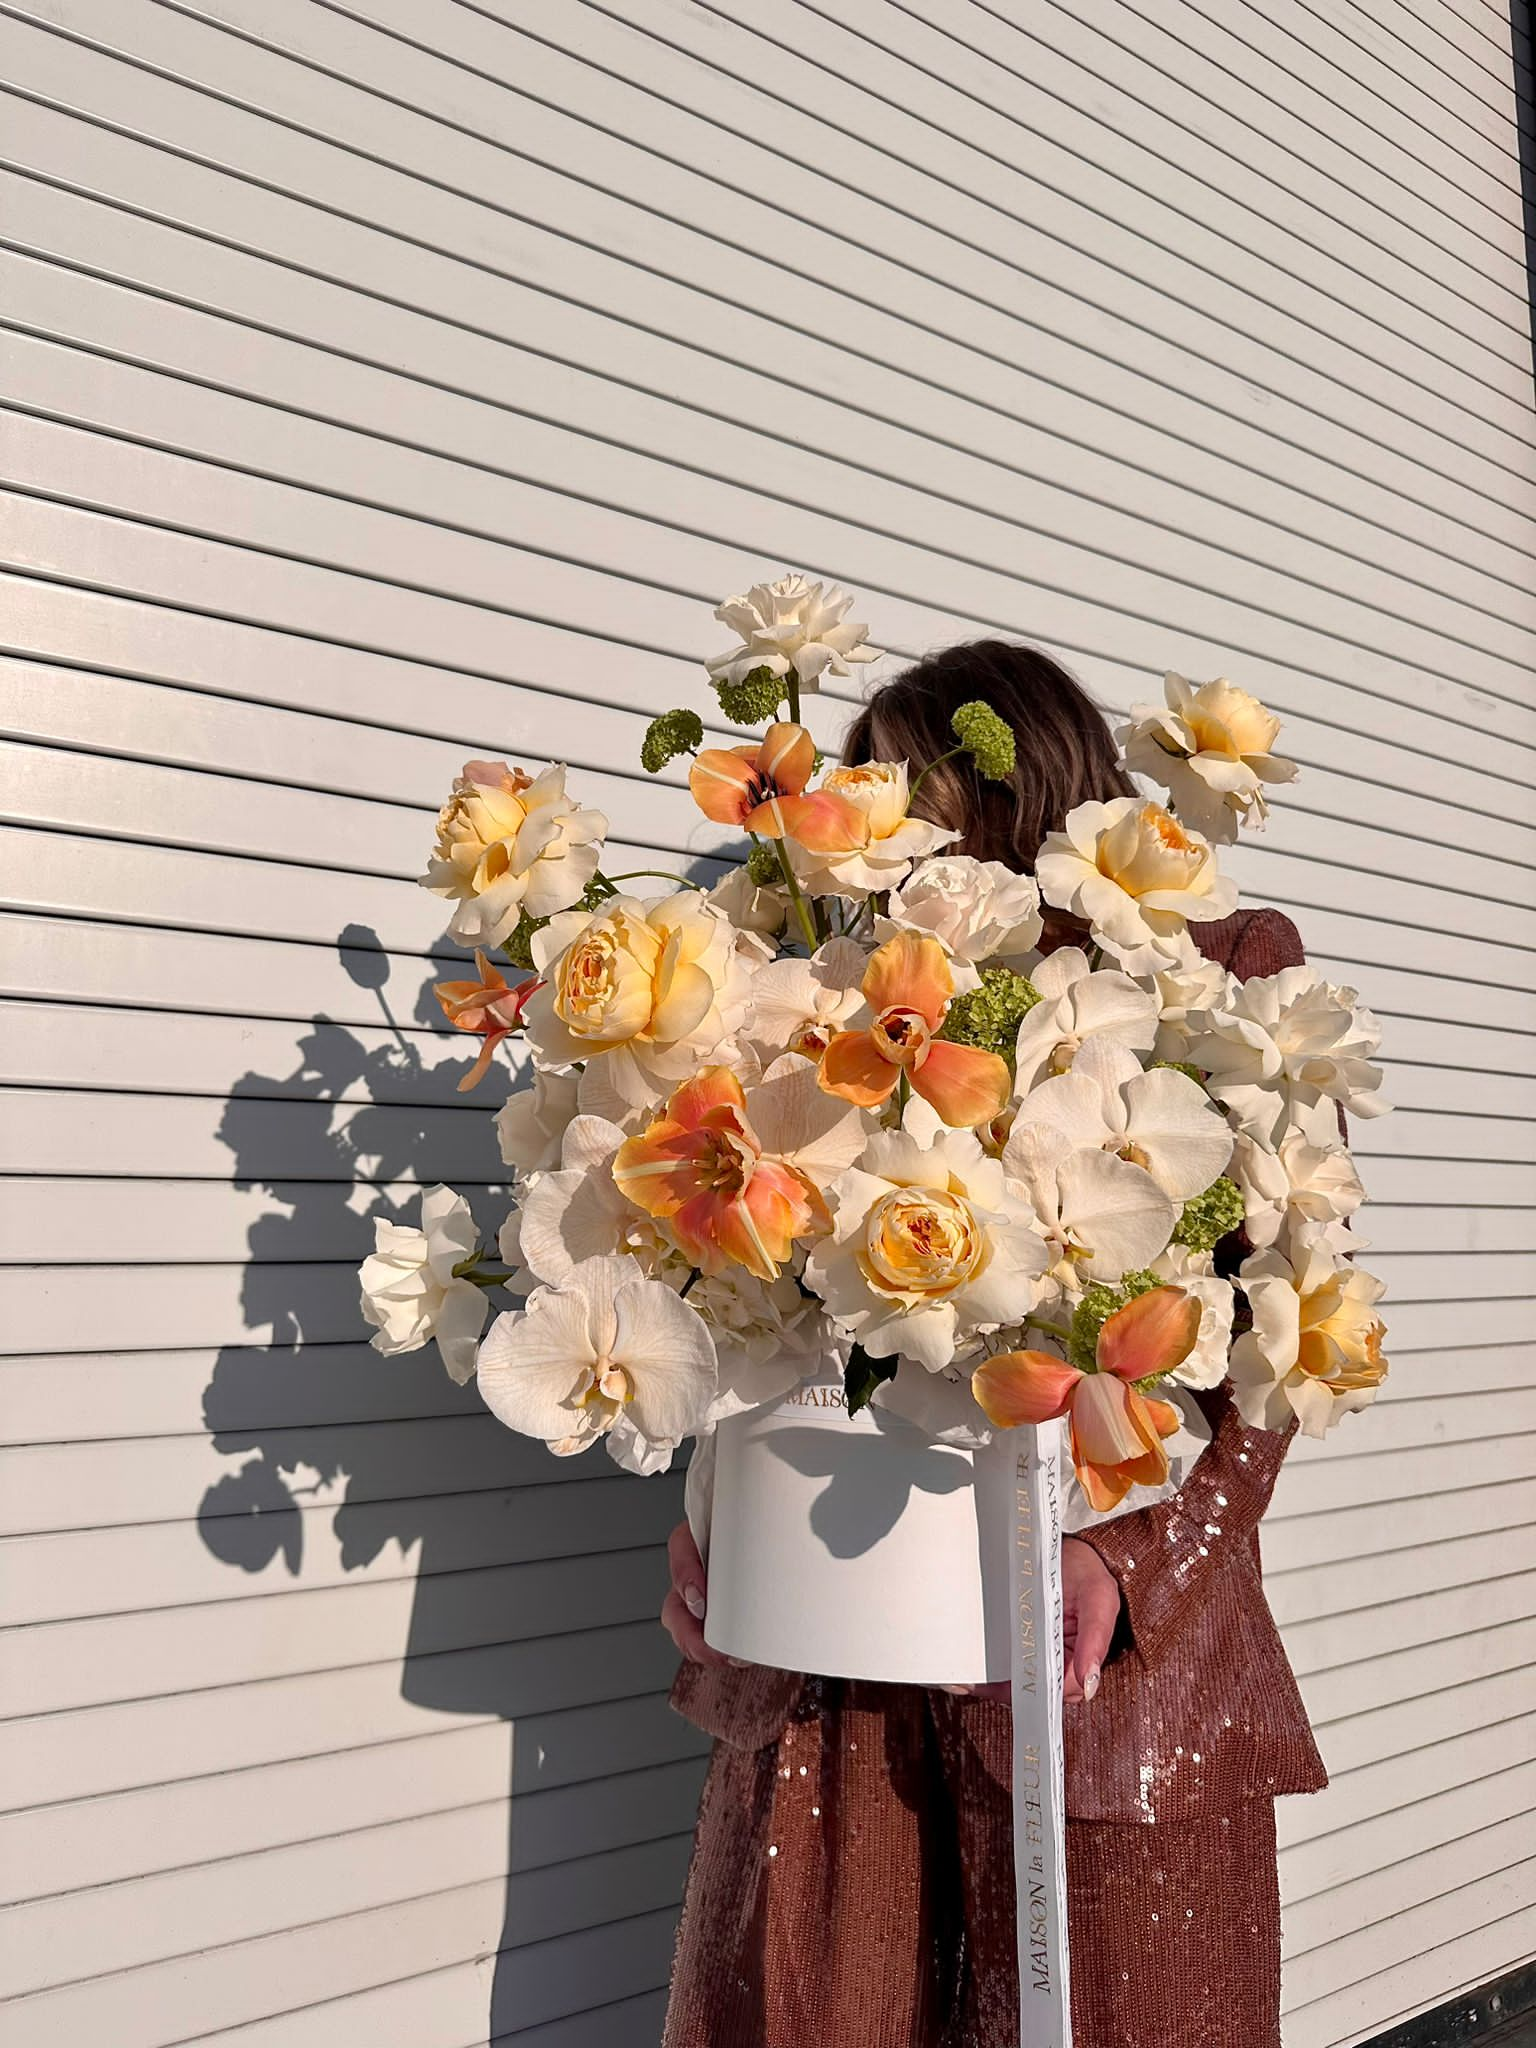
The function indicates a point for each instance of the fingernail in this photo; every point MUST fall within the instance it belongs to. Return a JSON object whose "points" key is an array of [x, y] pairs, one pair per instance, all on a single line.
{"points": [[737, 1663], [1091, 1682], [693, 1600]]}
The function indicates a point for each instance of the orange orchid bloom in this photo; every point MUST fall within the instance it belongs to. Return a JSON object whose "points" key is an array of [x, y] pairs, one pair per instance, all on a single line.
{"points": [[908, 985], [762, 789], [491, 1006], [1117, 1432], [701, 1166]]}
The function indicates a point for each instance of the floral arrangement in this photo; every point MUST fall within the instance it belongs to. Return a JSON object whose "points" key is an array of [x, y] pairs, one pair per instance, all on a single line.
{"points": [[843, 1108]]}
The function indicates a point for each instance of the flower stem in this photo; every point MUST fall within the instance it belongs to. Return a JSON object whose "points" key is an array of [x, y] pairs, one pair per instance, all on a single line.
{"points": [[917, 785], [1058, 1330], [661, 875], [802, 909], [792, 691], [682, 1292]]}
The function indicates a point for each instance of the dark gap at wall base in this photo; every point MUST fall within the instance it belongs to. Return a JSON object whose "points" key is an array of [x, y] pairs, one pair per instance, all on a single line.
{"points": [[1525, 123], [1497, 2015]]}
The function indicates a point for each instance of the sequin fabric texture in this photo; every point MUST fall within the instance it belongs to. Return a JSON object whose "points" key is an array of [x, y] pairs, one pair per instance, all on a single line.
{"points": [[852, 1887], [852, 1876]]}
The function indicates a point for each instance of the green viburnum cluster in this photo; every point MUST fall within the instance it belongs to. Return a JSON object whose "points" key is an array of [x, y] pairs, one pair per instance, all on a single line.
{"points": [[754, 700], [1210, 1217], [763, 866], [987, 738], [673, 733], [1100, 1301], [990, 1016], [1185, 1067]]}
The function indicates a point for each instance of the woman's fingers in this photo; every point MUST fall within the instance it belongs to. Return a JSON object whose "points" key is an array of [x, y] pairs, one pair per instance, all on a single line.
{"points": [[682, 1612]]}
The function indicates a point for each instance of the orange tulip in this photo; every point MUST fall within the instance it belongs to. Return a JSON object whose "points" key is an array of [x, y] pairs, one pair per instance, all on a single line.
{"points": [[701, 1166], [490, 1006], [1117, 1431], [908, 985], [762, 789]]}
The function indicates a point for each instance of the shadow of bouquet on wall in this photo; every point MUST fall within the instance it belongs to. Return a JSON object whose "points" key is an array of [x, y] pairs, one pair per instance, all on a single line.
{"points": [[535, 1581]]}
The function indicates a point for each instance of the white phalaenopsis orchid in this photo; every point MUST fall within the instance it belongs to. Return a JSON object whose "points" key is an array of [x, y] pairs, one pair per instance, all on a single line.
{"points": [[798, 1004], [1315, 1346], [1158, 1120], [1137, 876], [411, 1292], [1281, 1043], [608, 1350], [792, 627], [1212, 749], [978, 910], [929, 1246], [1077, 1005], [1101, 1216]]}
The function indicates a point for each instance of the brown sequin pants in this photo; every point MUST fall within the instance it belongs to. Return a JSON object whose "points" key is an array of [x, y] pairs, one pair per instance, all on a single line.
{"points": [[852, 1887]]}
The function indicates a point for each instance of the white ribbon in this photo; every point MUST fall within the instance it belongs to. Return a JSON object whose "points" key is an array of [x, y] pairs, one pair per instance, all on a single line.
{"points": [[1039, 1779]]}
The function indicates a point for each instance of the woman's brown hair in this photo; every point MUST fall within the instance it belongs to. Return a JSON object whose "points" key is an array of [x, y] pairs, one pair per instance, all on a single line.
{"points": [[1065, 754]]}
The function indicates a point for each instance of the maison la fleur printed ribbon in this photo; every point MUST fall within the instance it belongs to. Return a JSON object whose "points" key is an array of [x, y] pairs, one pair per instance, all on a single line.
{"points": [[1039, 1755]]}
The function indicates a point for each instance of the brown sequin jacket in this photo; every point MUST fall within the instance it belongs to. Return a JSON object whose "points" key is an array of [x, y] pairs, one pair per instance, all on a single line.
{"points": [[1198, 1707]]}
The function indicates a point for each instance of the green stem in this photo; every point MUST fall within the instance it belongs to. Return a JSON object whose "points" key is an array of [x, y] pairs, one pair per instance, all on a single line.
{"points": [[792, 691], [638, 874], [1058, 1330], [916, 786], [802, 911], [1095, 959]]}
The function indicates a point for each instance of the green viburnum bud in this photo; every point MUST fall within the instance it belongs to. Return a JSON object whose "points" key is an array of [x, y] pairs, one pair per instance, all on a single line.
{"points": [[1100, 1301], [754, 700], [1185, 1067], [990, 1016], [987, 738], [518, 945], [1210, 1217], [763, 866], [673, 733]]}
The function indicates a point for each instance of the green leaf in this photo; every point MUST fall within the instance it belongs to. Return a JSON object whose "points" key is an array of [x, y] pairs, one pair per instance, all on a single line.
{"points": [[862, 1375]]}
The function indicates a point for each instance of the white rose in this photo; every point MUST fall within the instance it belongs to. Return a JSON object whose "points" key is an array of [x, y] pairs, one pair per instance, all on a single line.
{"points": [[410, 1293], [530, 1125], [794, 627], [1281, 1043], [978, 910]]}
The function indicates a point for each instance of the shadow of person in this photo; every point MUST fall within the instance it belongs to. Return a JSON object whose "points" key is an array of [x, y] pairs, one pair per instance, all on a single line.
{"points": [[536, 1581]]}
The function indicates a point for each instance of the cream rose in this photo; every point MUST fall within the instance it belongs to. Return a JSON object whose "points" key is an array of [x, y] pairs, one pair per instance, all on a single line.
{"points": [[1315, 1346], [650, 988], [880, 790], [508, 843], [1137, 876], [978, 910], [1211, 749], [930, 1245], [411, 1291]]}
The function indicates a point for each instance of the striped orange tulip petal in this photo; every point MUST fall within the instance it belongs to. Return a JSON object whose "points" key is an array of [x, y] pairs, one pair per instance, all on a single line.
{"points": [[1023, 1386], [1150, 1335], [823, 821], [755, 1228], [724, 783], [966, 1085], [1117, 1439]]}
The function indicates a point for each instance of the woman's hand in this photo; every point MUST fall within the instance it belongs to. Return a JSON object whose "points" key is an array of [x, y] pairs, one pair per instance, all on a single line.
{"points": [[682, 1612], [1090, 1607]]}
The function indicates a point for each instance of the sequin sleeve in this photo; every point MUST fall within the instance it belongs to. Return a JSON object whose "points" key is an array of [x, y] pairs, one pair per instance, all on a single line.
{"points": [[1165, 1557]]}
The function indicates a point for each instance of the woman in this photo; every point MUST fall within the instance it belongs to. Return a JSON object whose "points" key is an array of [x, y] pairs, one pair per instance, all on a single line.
{"points": [[852, 1874]]}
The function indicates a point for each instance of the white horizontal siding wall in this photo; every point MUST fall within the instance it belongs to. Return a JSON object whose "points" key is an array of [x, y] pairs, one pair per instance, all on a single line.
{"points": [[394, 382]]}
